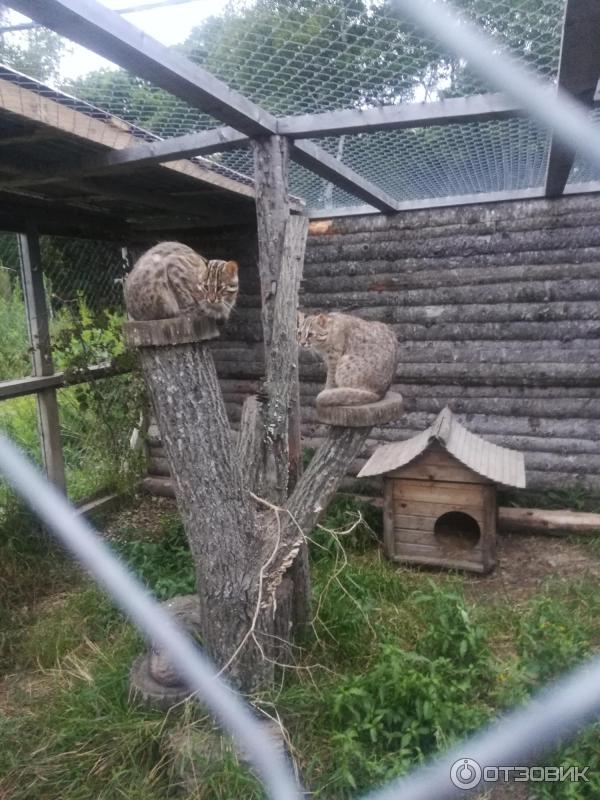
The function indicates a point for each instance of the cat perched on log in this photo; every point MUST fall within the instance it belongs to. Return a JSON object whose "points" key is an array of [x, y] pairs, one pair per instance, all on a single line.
{"points": [[171, 279], [361, 357]]}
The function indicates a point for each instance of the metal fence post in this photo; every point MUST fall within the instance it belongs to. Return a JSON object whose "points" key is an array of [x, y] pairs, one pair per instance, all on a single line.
{"points": [[36, 309]]}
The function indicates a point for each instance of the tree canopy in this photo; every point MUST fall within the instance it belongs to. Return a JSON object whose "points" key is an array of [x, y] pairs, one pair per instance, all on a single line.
{"points": [[35, 52]]}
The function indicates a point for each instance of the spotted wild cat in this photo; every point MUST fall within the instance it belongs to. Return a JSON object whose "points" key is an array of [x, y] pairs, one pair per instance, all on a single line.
{"points": [[361, 356], [171, 279]]}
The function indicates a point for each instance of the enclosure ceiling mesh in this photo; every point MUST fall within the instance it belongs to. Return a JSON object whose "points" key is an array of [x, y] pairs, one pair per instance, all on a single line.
{"points": [[301, 56]]}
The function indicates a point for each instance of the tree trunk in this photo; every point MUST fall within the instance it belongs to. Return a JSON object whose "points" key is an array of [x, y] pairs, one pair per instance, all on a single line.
{"points": [[308, 501], [281, 246], [228, 546]]}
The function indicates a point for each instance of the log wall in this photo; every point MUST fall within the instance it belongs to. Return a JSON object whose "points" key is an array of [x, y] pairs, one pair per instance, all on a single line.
{"points": [[496, 307]]}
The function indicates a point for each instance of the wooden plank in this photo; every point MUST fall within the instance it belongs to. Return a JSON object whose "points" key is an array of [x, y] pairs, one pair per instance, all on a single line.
{"points": [[98, 505], [109, 133], [320, 162], [420, 508], [477, 108], [450, 200], [412, 522], [203, 143], [330, 123], [418, 470], [578, 73], [21, 387], [410, 536], [415, 541], [388, 519], [440, 561], [36, 311], [437, 492]]}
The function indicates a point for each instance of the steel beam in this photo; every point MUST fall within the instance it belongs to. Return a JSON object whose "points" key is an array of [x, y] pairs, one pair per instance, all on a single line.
{"points": [[578, 74]]}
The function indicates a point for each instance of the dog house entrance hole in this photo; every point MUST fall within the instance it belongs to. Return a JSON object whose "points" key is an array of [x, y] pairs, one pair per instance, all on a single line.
{"points": [[456, 530]]}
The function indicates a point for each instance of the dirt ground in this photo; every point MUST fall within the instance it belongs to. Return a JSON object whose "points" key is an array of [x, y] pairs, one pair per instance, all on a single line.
{"points": [[525, 563]]}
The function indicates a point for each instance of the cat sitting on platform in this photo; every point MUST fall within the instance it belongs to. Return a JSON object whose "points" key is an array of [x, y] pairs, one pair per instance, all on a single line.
{"points": [[171, 280], [361, 357]]}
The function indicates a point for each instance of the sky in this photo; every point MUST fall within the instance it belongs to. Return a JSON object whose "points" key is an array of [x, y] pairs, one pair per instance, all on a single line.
{"points": [[169, 25]]}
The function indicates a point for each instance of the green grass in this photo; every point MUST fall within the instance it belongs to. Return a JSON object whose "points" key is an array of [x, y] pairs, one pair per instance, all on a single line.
{"points": [[399, 665]]}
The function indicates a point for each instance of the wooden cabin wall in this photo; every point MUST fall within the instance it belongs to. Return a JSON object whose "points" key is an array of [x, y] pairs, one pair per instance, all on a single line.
{"points": [[496, 307]]}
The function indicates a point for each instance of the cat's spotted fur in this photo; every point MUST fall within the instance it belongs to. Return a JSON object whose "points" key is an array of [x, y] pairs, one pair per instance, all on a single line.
{"points": [[171, 279], [361, 356]]}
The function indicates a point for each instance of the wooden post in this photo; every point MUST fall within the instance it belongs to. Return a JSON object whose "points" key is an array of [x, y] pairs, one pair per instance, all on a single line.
{"points": [[36, 310], [281, 246]]}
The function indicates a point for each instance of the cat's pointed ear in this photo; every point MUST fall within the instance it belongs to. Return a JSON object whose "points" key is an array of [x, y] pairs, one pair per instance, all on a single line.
{"points": [[322, 320], [231, 268], [301, 317]]}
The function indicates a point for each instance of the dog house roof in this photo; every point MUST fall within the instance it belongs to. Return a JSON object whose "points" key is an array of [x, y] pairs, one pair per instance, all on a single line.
{"points": [[498, 464]]}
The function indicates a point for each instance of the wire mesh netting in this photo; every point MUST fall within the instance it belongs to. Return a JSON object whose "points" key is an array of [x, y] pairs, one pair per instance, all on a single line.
{"points": [[301, 56], [83, 283]]}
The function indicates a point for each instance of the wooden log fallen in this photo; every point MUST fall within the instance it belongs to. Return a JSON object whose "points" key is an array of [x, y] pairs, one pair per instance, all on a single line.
{"points": [[536, 520], [159, 487]]}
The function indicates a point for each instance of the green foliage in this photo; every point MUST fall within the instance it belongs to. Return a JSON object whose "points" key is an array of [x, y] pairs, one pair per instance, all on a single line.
{"points": [[552, 638], [14, 356], [35, 52], [575, 498], [403, 708], [399, 666], [582, 752], [165, 566]]}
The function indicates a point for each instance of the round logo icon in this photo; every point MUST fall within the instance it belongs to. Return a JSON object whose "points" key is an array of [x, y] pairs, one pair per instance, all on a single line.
{"points": [[465, 773]]}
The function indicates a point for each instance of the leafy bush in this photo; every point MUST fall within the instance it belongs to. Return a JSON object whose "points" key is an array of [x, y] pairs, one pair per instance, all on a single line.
{"points": [[14, 356], [405, 706], [551, 640], [165, 566]]}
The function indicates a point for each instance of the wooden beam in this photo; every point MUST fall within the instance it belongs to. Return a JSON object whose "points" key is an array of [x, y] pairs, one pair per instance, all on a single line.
{"points": [[104, 32], [578, 74], [317, 160], [478, 108], [22, 387], [537, 520], [451, 200], [93, 25], [27, 135], [107, 133], [331, 123], [36, 310], [203, 143]]}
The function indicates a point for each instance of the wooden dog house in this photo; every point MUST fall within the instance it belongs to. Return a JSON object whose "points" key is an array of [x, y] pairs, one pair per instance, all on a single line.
{"points": [[440, 503]]}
